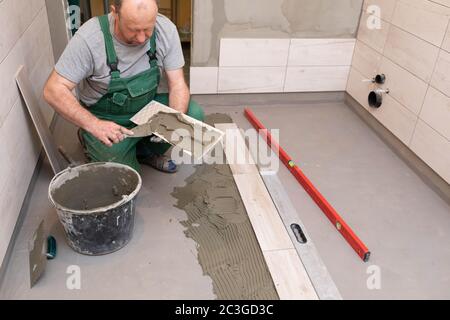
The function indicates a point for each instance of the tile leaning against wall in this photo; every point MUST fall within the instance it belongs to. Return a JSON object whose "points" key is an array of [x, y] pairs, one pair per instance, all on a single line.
{"points": [[25, 40], [412, 49]]}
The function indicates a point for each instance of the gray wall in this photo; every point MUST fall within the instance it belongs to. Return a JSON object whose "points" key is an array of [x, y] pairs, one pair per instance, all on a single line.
{"points": [[216, 19]]}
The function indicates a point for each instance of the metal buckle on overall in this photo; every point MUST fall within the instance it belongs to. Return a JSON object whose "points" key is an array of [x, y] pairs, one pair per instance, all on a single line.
{"points": [[152, 55], [113, 67]]}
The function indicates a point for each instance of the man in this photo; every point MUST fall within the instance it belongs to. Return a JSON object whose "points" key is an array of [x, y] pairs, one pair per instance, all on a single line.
{"points": [[117, 60]]}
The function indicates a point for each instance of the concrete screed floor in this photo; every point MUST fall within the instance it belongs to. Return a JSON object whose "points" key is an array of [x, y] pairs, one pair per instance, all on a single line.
{"points": [[405, 224]]}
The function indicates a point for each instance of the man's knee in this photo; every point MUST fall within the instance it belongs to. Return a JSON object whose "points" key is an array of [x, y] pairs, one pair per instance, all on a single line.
{"points": [[195, 111]]}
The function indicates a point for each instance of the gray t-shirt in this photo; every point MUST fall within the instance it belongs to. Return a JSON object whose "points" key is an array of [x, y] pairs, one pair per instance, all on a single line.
{"points": [[84, 59]]}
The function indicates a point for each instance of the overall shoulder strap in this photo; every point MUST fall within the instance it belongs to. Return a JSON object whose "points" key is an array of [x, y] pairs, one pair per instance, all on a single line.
{"points": [[152, 50], [111, 55]]}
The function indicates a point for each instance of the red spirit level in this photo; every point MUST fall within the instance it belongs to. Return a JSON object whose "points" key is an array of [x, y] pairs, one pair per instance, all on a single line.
{"points": [[320, 200]]}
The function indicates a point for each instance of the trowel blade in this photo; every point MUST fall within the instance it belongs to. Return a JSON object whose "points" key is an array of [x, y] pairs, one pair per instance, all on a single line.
{"points": [[37, 254], [141, 131]]}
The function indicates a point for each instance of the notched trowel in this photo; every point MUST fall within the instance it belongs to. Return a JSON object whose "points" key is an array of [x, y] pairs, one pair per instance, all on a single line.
{"points": [[41, 249], [142, 131]]}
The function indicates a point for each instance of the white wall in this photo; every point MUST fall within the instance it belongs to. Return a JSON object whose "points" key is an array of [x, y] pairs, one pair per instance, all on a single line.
{"points": [[24, 40], [412, 49]]}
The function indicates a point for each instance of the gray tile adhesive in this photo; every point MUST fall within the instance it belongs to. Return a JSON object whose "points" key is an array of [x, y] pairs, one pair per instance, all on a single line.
{"points": [[228, 249], [165, 124]]}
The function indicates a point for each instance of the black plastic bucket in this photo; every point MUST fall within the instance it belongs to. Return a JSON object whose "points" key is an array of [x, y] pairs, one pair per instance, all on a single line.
{"points": [[96, 206]]}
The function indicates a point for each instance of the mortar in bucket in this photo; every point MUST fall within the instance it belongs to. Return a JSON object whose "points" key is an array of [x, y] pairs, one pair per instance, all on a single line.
{"points": [[96, 206]]}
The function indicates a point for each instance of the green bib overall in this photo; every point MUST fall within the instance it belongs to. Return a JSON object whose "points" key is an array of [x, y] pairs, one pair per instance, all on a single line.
{"points": [[126, 97]]}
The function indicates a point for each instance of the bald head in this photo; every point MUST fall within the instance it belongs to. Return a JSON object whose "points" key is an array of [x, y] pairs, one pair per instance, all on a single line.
{"points": [[119, 3], [134, 20]]}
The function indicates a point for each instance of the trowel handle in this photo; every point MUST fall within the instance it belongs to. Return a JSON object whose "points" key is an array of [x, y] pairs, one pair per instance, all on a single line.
{"points": [[51, 248]]}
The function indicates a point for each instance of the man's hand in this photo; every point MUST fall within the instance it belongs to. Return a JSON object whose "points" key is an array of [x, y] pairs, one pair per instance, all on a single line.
{"points": [[108, 132]]}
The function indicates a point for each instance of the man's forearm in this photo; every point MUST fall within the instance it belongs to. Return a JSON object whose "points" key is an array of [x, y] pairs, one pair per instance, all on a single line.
{"points": [[179, 97], [58, 93], [65, 103]]}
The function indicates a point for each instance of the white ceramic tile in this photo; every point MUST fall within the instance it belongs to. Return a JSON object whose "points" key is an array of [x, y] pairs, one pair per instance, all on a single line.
{"points": [[38, 77], [15, 18], [397, 118], [20, 145], [441, 76], [20, 149], [433, 6], [289, 276], [411, 53], [433, 148], [34, 51], [446, 42], [254, 52], [204, 80], [436, 112], [445, 3], [263, 214], [394, 116], [404, 87], [307, 79], [251, 80], [8, 86], [366, 60], [321, 52], [359, 89], [423, 18], [375, 37]]}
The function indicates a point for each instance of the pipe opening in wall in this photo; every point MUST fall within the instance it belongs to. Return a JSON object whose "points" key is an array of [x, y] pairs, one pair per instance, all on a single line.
{"points": [[376, 98], [380, 78]]}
